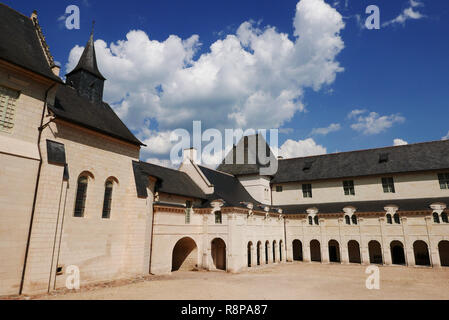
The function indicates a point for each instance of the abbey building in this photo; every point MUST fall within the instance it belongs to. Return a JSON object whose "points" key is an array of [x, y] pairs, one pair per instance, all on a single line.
{"points": [[73, 191]]}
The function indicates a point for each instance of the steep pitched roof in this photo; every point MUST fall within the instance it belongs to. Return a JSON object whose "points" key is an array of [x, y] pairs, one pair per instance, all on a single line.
{"points": [[227, 188], [390, 160], [251, 164], [99, 117], [88, 60], [365, 206], [20, 45], [169, 181]]}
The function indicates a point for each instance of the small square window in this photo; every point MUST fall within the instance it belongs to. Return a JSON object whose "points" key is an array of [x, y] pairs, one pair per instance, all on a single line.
{"points": [[279, 189], [307, 190], [388, 185], [444, 180], [348, 187]]}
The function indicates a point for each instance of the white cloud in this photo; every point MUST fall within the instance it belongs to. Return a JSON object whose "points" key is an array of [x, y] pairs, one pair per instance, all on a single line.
{"points": [[253, 78], [446, 137], [373, 123], [161, 162], [300, 148], [399, 142], [324, 131], [408, 14], [356, 112]]}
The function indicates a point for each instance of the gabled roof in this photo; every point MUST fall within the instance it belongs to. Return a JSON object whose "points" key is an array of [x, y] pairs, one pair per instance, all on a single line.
{"points": [[88, 60], [20, 45], [251, 164], [390, 160], [365, 206], [227, 188], [169, 181], [99, 117]]}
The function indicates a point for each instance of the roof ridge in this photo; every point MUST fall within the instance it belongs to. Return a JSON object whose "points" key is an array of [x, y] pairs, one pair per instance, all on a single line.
{"points": [[364, 150], [228, 174]]}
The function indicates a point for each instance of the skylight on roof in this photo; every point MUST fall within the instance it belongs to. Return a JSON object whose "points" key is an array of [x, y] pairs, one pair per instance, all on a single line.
{"points": [[383, 157]]}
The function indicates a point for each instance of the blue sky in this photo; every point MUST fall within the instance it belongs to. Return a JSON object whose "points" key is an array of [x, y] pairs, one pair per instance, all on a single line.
{"points": [[400, 72]]}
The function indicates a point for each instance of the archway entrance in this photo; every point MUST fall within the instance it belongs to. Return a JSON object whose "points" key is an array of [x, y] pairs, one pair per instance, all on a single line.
{"points": [[334, 251], [354, 252], [315, 251], [443, 248], [297, 250], [397, 252], [185, 255], [259, 251], [219, 253], [267, 251], [250, 250], [375, 252], [421, 252]]}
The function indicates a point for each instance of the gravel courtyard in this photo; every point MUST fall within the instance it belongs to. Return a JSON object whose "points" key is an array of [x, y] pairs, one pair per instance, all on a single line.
{"points": [[287, 281]]}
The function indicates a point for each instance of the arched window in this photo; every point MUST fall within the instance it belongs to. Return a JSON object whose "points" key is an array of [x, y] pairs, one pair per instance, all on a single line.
{"points": [[436, 218], [218, 218], [444, 217], [317, 221], [396, 218], [354, 219], [81, 193], [310, 220], [107, 199], [389, 219], [348, 220]]}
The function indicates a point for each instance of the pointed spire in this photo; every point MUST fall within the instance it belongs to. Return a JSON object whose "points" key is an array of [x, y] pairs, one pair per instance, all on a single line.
{"points": [[88, 60]]}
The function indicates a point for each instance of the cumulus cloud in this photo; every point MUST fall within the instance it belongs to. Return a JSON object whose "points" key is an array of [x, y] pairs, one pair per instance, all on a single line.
{"points": [[300, 148], [325, 131], [254, 78], [356, 112], [373, 123], [407, 14], [399, 142], [446, 137]]}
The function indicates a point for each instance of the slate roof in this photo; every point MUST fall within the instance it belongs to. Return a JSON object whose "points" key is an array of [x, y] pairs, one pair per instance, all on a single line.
{"points": [[88, 60], [20, 45], [99, 117], [251, 164], [227, 188], [169, 181], [399, 159], [365, 206]]}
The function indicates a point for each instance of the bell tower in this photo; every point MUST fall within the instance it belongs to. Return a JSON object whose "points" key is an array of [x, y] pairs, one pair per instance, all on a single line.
{"points": [[86, 78]]}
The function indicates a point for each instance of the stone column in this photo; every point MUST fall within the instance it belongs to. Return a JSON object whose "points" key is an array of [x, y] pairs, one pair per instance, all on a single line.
{"points": [[324, 243], [306, 250], [270, 253]]}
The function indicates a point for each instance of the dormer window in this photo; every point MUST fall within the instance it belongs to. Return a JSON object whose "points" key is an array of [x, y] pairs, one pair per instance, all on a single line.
{"points": [[307, 165], [383, 157]]}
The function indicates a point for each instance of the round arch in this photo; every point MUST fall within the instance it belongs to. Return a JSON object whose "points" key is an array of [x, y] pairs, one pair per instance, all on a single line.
{"points": [[397, 252], [334, 251], [375, 252], [354, 252], [185, 255], [218, 247], [297, 250], [443, 249], [315, 251], [421, 252]]}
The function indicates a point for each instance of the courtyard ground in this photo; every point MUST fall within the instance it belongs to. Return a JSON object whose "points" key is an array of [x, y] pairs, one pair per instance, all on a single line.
{"points": [[279, 282]]}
